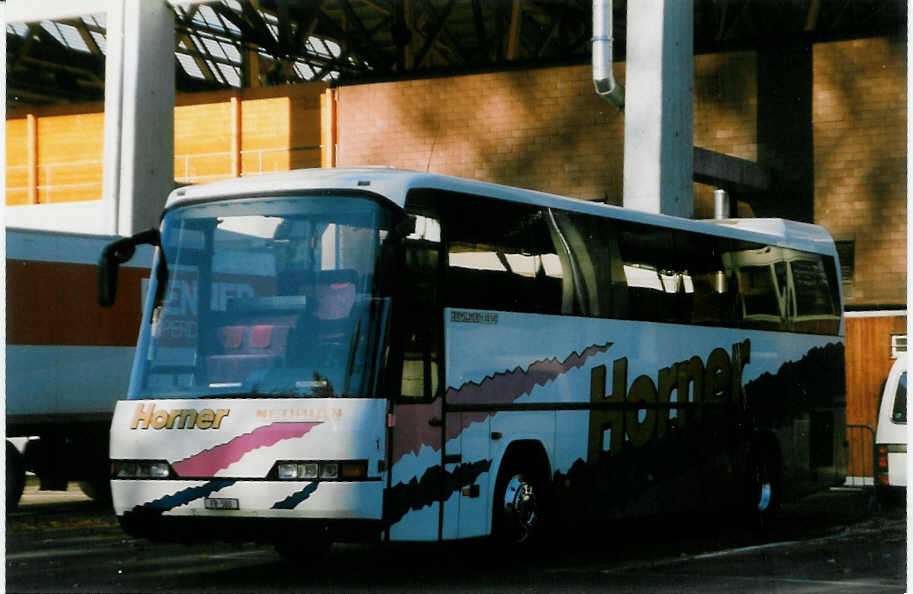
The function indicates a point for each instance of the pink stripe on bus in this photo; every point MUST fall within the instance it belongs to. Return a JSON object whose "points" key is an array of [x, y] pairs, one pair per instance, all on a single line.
{"points": [[208, 462]]}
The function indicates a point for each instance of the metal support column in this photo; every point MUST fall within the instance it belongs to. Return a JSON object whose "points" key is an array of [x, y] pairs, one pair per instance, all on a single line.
{"points": [[659, 83]]}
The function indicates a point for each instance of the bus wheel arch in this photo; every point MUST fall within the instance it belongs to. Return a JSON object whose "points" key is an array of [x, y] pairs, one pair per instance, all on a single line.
{"points": [[521, 500]]}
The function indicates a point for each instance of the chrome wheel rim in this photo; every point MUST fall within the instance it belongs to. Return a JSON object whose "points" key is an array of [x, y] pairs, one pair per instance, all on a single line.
{"points": [[763, 487], [520, 507]]}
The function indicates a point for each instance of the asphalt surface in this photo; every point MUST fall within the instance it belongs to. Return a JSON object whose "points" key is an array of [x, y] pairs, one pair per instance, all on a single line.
{"points": [[836, 541]]}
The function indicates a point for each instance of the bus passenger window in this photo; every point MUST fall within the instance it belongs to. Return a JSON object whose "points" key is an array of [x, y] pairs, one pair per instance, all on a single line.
{"points": [[500, 257], [815, 294], [760, 298], [660, 287]]}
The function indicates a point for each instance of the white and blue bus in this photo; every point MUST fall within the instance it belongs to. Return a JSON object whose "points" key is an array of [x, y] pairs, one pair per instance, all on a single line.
{"points": [[330, 355]]}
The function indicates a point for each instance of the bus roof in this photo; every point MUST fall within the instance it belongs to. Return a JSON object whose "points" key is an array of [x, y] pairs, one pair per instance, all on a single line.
{"points": [[395, 184]]}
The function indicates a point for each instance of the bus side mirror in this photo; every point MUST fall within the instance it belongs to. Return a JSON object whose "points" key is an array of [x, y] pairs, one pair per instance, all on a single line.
{"points": [[115, 254]]}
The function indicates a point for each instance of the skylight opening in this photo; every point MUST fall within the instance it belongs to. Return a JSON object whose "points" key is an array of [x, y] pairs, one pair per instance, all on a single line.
{"points": [[304, 71], [95, 20], [20, 29], [231, 52], [205, 15], [99, 40], [66, 35], [189, 65], [231, 74], [213, 47]]}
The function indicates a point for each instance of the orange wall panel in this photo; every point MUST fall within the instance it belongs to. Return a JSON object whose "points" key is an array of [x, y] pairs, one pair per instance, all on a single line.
{"points": [[16, 154], [280, 129], [16, 196], [202, 129], [77, 138], [265, 123], [868, 361]]}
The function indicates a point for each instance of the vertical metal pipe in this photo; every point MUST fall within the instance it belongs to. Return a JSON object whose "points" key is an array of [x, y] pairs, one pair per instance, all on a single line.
{"points": [[236, 135], [32, 156], [603, 76], [720, 204]]}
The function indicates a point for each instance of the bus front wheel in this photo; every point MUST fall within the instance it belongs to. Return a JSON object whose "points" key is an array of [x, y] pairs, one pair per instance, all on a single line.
{"points": [[518, 506]]}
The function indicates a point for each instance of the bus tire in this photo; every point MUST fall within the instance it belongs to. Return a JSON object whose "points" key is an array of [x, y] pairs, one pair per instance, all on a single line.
{"points": [[15, 477], [762, 492], [519, 504], [97, 490]]}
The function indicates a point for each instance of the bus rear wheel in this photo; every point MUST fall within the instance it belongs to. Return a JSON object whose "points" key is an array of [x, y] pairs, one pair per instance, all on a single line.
{"points": [[762, 494]]}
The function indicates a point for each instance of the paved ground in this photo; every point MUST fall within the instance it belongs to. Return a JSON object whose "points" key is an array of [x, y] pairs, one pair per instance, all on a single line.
{"points": [[831, 542]]}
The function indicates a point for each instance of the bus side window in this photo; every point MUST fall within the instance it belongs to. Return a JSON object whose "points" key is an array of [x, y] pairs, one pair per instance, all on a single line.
{"points": [[500, 257], [714, 290], [815, 294], [588, 249], [660, 288]]}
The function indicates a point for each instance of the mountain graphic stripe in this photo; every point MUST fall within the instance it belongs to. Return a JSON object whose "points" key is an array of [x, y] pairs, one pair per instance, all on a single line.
{"points": [[507, 386], [292, 501], [208, 462], [184, 496]]}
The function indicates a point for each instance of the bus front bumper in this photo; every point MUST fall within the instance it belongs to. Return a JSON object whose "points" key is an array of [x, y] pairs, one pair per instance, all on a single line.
{"points": [[247, 510]]}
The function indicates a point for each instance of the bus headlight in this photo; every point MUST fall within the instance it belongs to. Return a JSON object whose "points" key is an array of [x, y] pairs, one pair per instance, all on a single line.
{"points": [[288, 470], [351, 470], [308, 470], [297, 470], [140, 469], [329, 470]]}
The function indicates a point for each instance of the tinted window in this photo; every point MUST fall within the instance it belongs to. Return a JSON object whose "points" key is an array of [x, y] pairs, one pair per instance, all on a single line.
{"points": [[676, 276], [899, 415], [500, 256], [515, 257]]}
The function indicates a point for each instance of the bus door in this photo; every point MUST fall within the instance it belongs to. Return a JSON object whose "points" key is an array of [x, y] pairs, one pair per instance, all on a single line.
{"points": [[417, 479], [412, 504]]}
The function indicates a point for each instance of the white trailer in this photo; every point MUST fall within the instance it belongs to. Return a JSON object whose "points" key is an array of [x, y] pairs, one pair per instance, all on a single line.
{"points": [[66, 365]]}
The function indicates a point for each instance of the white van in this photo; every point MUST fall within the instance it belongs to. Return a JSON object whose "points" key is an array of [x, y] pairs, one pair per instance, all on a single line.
{"points": [[891, 434]]}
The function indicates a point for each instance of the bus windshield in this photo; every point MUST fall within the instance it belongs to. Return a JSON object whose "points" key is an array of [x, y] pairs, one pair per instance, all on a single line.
{"points": [[266, 297]]}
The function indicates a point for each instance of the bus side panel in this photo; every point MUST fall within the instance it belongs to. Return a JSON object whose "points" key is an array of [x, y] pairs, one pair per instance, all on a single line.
{"points": [[650, 417], [803, 404]]}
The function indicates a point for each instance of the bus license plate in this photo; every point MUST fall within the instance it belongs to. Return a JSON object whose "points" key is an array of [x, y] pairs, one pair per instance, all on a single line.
{"points": [[221, 503]]}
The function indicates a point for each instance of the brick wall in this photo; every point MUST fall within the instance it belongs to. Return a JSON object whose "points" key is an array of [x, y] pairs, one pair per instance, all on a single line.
{"points": [[542, 129], [545, 129], [860, 124]]}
